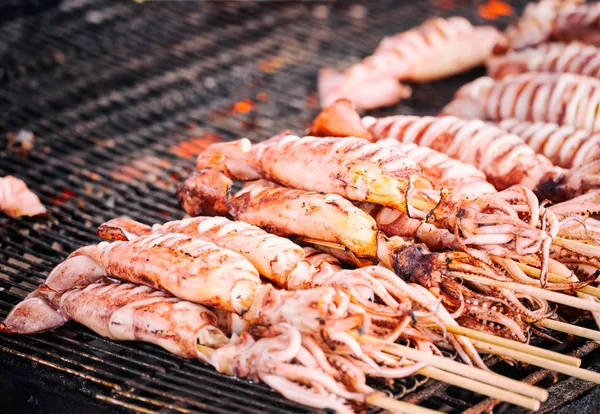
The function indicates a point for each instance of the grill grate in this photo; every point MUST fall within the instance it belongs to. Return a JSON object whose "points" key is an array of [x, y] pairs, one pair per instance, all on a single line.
{"points": [[120, 97]]}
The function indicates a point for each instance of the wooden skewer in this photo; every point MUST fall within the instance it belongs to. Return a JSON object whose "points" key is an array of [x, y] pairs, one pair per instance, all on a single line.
{"points": [[375, 399], [535, 291], [449, 365], [532, 271], [478, 387], [570, 329], [322, 243], [517, 346], [396, 406], [580, 373], [577, 246], [208, 351], [481, 388]]}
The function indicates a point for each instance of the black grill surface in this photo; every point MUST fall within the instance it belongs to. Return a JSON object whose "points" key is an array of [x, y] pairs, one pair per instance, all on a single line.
{"points": [[120, 97]]}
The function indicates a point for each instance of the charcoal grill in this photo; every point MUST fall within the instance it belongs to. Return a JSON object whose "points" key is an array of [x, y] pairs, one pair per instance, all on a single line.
{"points": [[120, 97]]}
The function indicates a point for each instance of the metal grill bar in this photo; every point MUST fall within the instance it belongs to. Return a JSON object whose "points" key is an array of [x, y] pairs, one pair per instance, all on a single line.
{"points": [[111, 90]]}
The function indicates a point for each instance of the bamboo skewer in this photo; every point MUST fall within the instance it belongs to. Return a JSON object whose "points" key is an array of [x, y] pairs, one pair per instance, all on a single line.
{"points": [[324, 243], [481, 388], [580, 373], [570, 329], [376, 399], [514, 345], [532, 290], [395, 406], [452, 366], [532, 271]]}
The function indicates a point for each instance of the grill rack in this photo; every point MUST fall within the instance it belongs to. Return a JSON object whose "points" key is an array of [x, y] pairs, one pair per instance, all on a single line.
{"points": [[113, 92]]}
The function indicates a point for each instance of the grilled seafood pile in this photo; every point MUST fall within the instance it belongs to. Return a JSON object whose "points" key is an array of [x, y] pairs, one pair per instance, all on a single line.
{"points": [[361, 171], [295, 340], [369, 232], [284, 358], [311, 215], [505, 161]]}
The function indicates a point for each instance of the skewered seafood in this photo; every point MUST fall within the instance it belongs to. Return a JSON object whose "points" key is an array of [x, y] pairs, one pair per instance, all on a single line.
{"points": [[557, 20], [17, 200], [326, 217], [565, 146], [505, 158], [282, 262], [341, 120], [433, 50], [373, 278], [473, 142], [274, 257], [564, 99], [433, 263], [573, 57], [191, 269], [130, 312], [362, 171], [283, 361]]}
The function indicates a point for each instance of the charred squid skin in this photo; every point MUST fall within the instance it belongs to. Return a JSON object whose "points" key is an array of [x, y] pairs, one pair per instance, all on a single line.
{"points": [[409, 263], [122, 229], [415, 263], [206, 192]]}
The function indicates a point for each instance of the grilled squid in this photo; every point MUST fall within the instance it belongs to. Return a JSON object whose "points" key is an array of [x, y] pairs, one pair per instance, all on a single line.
{"points": [[575, 57], [433, 50], [432, 263], [504, 158], [556, 20], [123, 312], [282, 261], [564, 145], [341, 120], [127, 312], [274, 257], [564, 99], [17, 200]]}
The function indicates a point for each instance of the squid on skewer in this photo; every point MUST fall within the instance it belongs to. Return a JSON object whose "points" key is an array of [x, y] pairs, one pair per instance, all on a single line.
{"points": [[575, 57], [276, 258], [433, 50], [565, 146], [123, 312], [556, 20], [362, 171], [505, 159], [17, 200], [316, 269], [433, 263], [128, 312], [561, 98], [341, 120]]}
